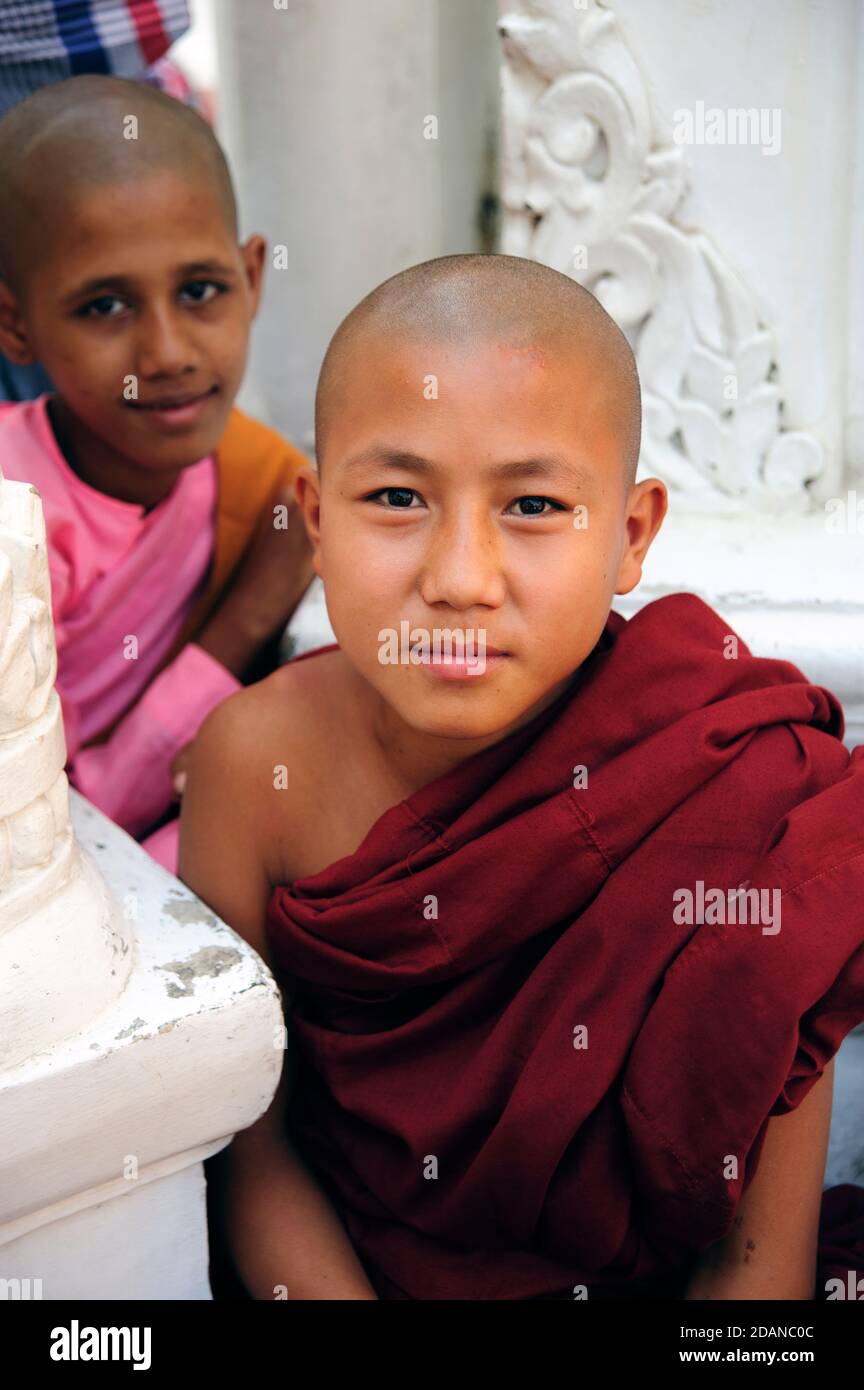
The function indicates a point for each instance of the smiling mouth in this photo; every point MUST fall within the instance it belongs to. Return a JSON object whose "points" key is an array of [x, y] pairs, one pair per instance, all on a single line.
{"points": [[463, 667], [459, 658], [169, 403]]}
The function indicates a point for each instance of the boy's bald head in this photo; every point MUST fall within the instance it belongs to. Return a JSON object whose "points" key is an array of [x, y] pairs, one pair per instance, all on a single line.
{"points": [[469, 299], [73, 136]]}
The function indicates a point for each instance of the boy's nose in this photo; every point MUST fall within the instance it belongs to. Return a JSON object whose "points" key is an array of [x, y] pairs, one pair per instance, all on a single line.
{"points": [[164, 346], [463, 564]]}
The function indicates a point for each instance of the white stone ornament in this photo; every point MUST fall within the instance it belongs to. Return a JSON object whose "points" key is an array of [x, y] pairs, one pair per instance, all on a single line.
{"points": [[588, 190]]}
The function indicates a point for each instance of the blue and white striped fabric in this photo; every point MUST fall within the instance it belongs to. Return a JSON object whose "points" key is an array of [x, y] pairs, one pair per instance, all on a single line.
{"points": [[44, 41]]}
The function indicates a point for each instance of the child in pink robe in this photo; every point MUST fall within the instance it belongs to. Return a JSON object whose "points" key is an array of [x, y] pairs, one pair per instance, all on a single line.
{"points": [[122, 272]]}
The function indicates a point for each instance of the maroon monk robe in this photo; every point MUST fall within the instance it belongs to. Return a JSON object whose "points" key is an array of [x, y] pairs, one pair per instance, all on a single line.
{"points": [[437, 977]]}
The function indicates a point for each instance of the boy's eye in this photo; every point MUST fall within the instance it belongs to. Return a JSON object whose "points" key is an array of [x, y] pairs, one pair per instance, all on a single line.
{"points": [[108, 306], [397, 497], [101, 308], [533, 506], [200, 291]]}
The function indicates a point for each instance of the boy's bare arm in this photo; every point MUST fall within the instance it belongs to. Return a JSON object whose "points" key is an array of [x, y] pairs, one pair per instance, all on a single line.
{"points": [[771, 1252], [283, 1230]]}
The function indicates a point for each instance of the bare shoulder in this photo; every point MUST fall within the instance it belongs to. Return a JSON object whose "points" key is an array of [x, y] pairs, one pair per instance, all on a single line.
{"points": [[315, 671], [290, 707], [257, 775], [299, 722], [299, 704], [221, 855]]}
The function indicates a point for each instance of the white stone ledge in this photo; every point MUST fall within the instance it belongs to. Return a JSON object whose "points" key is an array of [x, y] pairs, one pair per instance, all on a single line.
{"points": [[13, 1231], [186, 1056], [150, 1243]]}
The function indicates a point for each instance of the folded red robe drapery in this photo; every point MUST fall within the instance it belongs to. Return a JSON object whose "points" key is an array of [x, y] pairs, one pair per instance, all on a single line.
{"points": [[438, 978]]}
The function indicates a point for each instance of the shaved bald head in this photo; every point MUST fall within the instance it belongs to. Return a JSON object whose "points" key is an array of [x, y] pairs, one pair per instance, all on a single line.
{"points": [[469, 299], [73, 136]]}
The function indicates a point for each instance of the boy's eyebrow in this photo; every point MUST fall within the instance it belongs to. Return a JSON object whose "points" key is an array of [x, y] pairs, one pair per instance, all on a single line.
{"points": [[100, 283], [537, 466], [206, 267], [95, 286]]}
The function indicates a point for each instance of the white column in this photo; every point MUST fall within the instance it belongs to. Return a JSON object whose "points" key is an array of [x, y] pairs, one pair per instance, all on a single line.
{"points": [[322, 110], [357, 136]]}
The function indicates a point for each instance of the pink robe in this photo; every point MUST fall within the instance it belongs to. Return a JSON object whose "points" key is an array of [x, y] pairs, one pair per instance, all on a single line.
{"points": [[122, 582]]}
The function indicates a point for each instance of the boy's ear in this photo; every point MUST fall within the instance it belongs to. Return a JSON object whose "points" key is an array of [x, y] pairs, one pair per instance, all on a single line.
{"points": [[253, 252], [14, 339], [646, 509], [307, 490]]}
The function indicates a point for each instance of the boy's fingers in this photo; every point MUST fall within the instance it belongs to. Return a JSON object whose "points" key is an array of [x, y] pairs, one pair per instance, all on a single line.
{"points": [[178, 769]]}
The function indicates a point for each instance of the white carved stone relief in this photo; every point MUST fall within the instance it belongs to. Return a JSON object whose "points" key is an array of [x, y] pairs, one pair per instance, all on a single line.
{"points": [[587, 190]]}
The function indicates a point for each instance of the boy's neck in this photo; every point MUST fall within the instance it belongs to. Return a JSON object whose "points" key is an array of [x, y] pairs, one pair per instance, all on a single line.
{"points": [[101, 467], [416, 759]]}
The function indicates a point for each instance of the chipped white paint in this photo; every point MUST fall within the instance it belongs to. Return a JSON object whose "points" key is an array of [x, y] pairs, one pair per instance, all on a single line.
{"points": [[184, 1057], [139, 1033]]}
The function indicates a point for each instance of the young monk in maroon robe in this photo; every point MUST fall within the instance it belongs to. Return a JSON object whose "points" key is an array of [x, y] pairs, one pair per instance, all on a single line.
{"points": [[569, 942]]}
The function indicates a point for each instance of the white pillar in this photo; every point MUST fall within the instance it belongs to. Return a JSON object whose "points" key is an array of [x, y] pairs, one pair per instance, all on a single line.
{"points": [[357, 136]]}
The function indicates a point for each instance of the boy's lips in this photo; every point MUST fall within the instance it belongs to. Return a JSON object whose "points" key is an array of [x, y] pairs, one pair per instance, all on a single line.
{"points": [[463, 668], [176, 411]]}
